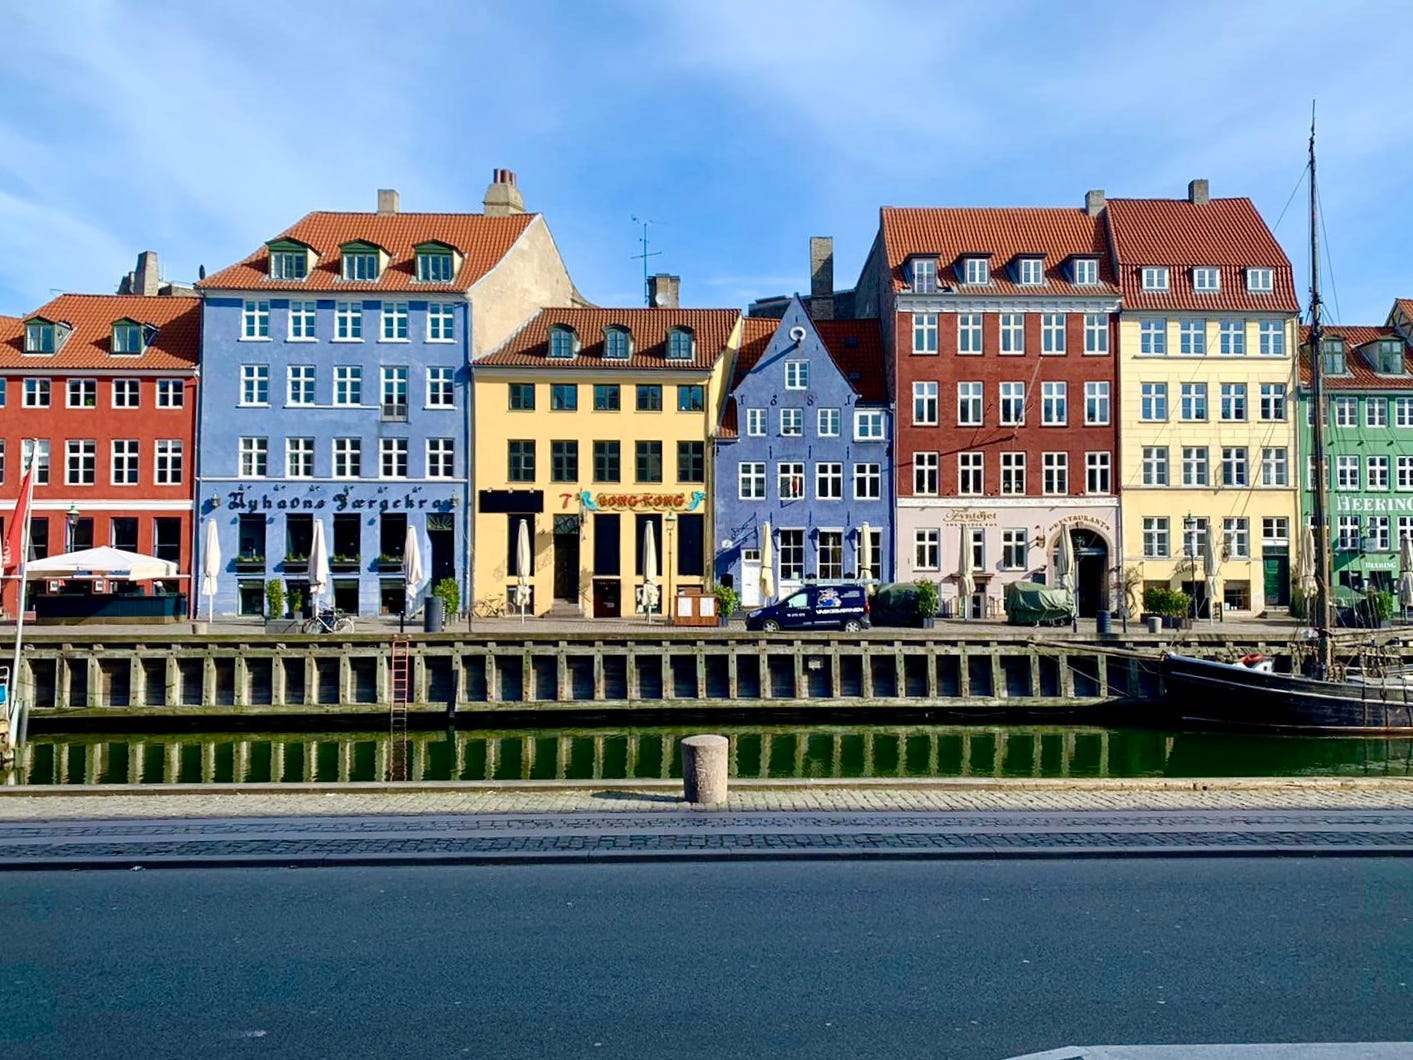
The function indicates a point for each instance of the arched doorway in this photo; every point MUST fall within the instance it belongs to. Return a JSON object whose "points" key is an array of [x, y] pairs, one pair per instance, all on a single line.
{"points": [[1091, 553]]}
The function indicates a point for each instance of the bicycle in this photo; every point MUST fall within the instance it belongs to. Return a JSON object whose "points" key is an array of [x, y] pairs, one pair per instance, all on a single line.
{"points": [[329, 620], [488, 607]]}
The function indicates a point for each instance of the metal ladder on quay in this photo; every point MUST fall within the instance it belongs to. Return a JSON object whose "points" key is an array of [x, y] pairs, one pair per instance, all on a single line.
{"points": [[400, 687]]}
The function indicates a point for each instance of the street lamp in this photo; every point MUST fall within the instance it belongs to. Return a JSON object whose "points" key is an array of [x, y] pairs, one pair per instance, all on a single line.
{"points": [[668, 562], [72, 518]]}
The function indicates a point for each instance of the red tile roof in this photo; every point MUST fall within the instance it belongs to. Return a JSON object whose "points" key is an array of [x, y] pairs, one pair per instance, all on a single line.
{"points": [[649, 327], [756, 333], [857, 349], [1003, 232], [1226, 233], [482, 241], [1361, 375], [1405, 305], [177, 344]]}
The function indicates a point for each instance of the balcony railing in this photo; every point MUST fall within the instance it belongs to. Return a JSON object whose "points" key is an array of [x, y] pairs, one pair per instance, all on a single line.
{"points": [[394, 413]]}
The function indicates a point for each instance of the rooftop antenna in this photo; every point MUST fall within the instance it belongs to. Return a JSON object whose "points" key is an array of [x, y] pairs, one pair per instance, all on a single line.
{"points": [[645, 255]]}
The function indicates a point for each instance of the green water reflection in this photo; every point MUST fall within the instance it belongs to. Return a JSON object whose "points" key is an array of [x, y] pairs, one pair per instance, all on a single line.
{"points": [[781, 752]]}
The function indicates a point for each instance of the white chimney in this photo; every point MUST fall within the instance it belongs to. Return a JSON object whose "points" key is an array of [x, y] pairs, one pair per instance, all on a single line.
{"points": [[387, 201]]}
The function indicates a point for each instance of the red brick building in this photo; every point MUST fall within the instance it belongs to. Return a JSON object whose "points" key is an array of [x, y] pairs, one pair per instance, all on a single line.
{"points": [[105, 387], [1001, 328]]}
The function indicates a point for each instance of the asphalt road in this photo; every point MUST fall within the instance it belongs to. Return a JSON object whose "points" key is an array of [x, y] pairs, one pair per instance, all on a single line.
{"points": [[849, 959]]}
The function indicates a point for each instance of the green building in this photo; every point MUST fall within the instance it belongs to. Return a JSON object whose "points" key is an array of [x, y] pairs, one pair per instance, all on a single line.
{"points": [[1368, 376]]}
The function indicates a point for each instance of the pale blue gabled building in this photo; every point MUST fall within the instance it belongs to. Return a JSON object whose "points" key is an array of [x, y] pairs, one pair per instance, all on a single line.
{"points": [[805, 446]]}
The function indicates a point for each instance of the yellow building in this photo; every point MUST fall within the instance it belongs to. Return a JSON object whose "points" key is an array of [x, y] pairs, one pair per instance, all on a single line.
{"points": [[593, 428], [1207, 376]]}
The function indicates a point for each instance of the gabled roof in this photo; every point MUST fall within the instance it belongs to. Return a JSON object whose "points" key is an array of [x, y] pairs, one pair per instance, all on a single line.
{"points": [[756, 333], [1004, 233], [529, 347], [1361, 376], [1404, 306], [177, 344], [857, 349], [482, 241], [1226, 233]]}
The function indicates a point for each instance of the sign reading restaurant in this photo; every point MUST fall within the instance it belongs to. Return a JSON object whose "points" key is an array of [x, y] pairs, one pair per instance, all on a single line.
{"points": [[1374, 505]]}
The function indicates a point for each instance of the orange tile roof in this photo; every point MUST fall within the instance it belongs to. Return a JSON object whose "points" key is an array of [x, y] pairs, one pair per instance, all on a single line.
{"points": [[756, 333], [649, 327], [857, 349], [481, 240], [1405, 305], [1003, 232], [1226, 233], [1361, 375], [177, 344]]}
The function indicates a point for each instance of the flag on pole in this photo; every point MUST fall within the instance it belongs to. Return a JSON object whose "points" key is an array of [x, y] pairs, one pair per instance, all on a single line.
{"points": [[15, 545]]}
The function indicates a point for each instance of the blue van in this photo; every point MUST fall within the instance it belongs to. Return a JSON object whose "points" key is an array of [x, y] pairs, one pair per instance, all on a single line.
{"points": [[815, 607]]}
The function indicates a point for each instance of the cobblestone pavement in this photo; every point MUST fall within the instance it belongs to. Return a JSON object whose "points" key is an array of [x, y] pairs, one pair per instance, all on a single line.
{"points": [[499, 838], [647, 797]]}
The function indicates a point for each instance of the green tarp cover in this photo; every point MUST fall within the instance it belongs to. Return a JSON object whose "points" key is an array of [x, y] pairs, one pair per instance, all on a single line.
{"points": [[1030, 603]]}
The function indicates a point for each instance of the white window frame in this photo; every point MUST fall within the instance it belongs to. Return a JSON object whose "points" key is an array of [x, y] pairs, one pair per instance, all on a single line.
{"points": [[976, 271], [441, 322], [1055, 474], [925, 333], [829, 481], [348, 321], [171, 393], [392, 451], [254, 457], [869, 425], [348, 385], [1096, 403], [828, 423], [1054, 404], [81, 394], [1232, 403], [1053, 327], [970, 335], [1011, 403], [971, 474], [1030, 272], [792, 423], [1085, 271], [441, 458], [1153, 338], [393, 323], [1013, 473], [255, 380], [1192, 337], [1012, 334], [1098, 473], [302, 320], [1375, 411], [1156, 469], [1096, 334], [750, 480], [1206, 279], [797, 375], [301, 376], [127, 388], [125, 467], [1152, 398], [755, 423], [927, 548], [925, 403], [348, 457], [441, 387], [255, 320], [1260, 280], [1154, 277], [868, 481], [971, 403], [1376, 473], [299, 457], [790, 480], [1271, 338], [1231, 338], [168, 457], [927, 474], [85, 452], [1192, 399], [1275, 466], [1196, 466]]}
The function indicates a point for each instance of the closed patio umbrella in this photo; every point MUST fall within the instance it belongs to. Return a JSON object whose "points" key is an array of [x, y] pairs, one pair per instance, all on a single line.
{"points": [[1405, 576], [1211, 571], [767, 564], [865, 552], [523, 561], [210, 565], [413, 575], [1305, 564], [966, 585], [650, 590], [1064, 563], [318, 566]]}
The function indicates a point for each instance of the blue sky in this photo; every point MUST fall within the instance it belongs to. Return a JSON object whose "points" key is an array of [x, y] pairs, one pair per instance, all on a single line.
{"points": [[741, 129]]}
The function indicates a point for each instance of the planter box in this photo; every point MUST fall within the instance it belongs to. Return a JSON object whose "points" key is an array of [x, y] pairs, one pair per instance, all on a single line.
{"points": [[284, 625], [344, 565], [250, 566], [389, 566]]}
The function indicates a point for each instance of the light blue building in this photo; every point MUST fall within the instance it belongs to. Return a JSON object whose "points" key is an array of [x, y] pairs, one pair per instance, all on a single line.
{"points": [[335, 375], [805, 446]]}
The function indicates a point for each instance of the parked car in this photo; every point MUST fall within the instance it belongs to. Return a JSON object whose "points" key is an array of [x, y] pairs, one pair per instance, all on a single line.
{"points": [[815, 607]]}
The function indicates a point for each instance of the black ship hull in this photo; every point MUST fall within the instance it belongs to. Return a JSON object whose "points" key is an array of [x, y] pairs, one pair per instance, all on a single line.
{"points": [[1215, 693]]}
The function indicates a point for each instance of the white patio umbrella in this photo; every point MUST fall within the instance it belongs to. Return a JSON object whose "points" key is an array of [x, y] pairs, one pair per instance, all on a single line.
{"points": [[101, 562], [1305, 564], [865, 549], [966, 585], [523, 560], [210, 565], [413, 575], [1405, 576], [1064, 562], [650, 593], [319, 566], [767, 563], [1211, 571]]}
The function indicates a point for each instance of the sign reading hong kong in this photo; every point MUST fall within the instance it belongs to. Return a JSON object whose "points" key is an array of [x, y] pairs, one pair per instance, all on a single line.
{"points": [[633, 502], [1373, 505], [236, 500]]}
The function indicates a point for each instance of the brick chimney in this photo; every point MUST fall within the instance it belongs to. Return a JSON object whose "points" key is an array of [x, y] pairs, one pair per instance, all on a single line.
{"points": [[503, 198], [146, 279], [822, 277], [1094, 202], [387, 202], [1197, 192], [664, 291]]}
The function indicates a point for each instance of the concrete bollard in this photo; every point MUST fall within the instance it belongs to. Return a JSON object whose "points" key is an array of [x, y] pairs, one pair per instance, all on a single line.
{"points": [[704, 768]]}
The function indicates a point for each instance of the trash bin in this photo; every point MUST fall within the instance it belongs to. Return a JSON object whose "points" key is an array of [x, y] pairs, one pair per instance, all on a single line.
{"points": [[1101, 623], [1155, 623], [432, 614]]}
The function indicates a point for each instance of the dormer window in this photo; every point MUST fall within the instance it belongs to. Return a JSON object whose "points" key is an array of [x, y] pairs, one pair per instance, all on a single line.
{"points": [[1030, 272], [1154, 277], [617, 343], [563, 343], [923, 275], [1206, 279], [129, 338], [1388, 357], [1260, 281], [976, 271], [289, 259], [361, 262], [436, 263], [1085, 271], [1334, 357], [679, 344], [45, 336]]}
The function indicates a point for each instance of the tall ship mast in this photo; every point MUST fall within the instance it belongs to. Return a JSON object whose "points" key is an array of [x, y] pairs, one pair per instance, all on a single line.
{"points": [[1320, 616]]}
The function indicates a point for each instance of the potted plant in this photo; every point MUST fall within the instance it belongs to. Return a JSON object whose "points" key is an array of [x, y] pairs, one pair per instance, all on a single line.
{"points": [[249, 561], [342, 561], [727, 603], [296, 604], [274, 598], [294, 560], [1172, 605], [388, 562], [449, 593], [927, 599], [1384, 605]]}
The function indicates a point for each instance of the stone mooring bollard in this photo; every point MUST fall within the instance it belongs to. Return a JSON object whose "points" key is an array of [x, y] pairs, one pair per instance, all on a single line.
{"points": [[704, 768]]}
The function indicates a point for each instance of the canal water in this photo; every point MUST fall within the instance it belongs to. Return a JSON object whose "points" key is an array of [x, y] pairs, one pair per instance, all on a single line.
{"points": [[787, 752]]}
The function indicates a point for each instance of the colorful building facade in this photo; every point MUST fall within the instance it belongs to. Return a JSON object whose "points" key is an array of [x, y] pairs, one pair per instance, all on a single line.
{"points": [[103, 388], [1000, 326], [592, 426], [1207, 370], [1368, 380], [804, 448], [336, 388]]}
